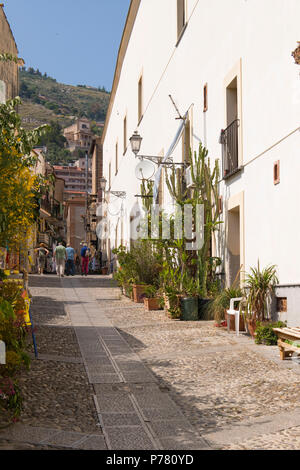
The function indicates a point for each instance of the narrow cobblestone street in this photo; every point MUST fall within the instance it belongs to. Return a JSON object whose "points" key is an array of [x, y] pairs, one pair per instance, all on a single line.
{"points": [[112, 376]]}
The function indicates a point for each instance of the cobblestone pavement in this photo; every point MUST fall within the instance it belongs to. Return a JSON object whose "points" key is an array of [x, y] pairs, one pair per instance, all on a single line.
{"points": [[112, 375], [219, 381]]}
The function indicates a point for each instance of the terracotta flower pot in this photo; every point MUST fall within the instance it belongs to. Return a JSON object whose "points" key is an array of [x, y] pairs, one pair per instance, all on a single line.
{"points": [[232, 322], [171, 304], [104, 271], [139, 293], [152, 304], [251, 325]]}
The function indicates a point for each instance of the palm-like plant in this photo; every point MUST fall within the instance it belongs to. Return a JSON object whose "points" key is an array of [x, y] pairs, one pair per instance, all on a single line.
{"points": [[221, 303], [260, 286]]}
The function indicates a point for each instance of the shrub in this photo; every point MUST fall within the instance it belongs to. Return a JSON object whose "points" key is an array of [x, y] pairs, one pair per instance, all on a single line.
{"points": [[221, 303], [265, 334], [141, 265]]}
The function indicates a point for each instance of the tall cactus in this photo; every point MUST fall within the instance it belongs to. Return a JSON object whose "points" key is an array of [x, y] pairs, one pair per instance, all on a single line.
{"points": [[205, 191]]}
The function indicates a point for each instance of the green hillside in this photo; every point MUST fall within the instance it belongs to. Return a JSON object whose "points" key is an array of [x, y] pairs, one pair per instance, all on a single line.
{"points": [[46, 100]]}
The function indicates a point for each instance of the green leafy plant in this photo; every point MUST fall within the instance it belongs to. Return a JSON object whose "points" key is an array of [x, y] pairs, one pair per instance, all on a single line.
{"points": [[293, 343], [205, 191], [151, 292], [259, 287], [221, 303], [142, 264], [265, 334]]}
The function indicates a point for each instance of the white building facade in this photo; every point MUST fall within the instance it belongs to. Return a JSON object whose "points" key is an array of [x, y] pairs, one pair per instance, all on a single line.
{"points": [[228, 65]]}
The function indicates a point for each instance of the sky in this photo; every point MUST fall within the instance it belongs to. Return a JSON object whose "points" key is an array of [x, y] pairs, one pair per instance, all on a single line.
{"points": [[74, 41]]}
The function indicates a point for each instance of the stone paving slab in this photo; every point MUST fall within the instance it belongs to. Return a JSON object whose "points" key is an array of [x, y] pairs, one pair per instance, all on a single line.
{"points": [[21, 433], [64, 439], [138, 377], [92, 443], [112, 401], [104, 378], [128, 437], [98, 368], [46, 438], [120, 419]]}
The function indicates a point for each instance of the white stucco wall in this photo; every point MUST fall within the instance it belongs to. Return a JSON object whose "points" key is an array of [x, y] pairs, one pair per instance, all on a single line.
{"points": [[220, 34]]}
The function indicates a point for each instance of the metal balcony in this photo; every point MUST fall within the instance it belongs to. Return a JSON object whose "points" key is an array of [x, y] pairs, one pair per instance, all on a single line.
{"points": [[230, 144]]}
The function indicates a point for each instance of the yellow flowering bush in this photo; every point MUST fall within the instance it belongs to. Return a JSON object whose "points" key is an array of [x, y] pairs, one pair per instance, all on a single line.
{"points": [[18, 185]]}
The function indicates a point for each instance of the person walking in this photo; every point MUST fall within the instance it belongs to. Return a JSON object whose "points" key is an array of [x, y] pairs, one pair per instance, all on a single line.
{"points": [[60, 258], [70, 265], [84, 260], [42, 254]]}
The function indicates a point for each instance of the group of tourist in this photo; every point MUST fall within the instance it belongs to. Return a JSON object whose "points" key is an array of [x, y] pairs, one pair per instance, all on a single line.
{"points": [[65, 259]]}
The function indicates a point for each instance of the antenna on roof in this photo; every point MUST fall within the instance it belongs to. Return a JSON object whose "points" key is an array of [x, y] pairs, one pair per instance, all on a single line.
{"points": [[179, 115]]}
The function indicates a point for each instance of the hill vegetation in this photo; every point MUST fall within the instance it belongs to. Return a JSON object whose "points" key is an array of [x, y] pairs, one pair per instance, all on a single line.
{"points": [[55, 101], [45, 101]]}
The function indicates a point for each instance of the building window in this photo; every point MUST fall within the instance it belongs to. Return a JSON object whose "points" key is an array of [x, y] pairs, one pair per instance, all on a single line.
{"points": [[140, 99], [276, 172], [117, 158], [281, 304], [230, 136], [181, 17], [205, 99], [220, 204], [125, 134], [109, 176]]}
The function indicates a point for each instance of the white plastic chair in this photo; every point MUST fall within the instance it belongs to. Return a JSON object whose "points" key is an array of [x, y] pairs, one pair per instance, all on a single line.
{"points": [[236, 314]]}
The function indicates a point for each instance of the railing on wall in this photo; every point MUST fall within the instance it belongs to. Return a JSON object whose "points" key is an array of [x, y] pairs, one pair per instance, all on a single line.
{"points": [[230, 143]]}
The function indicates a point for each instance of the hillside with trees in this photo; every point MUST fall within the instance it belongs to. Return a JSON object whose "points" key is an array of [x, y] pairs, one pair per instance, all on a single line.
{"points": [[56, 99], [45, 101]]}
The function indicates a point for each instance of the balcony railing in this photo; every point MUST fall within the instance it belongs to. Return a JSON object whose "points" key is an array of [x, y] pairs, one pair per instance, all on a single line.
{"points": [[53, 208], [230, 143], [46, 205]]}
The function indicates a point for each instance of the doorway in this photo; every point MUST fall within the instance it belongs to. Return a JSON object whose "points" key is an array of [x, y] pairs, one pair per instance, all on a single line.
{"points": [[234, 247]]}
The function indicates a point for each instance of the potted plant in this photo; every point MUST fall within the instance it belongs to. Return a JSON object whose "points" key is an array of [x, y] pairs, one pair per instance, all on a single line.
{"points": [[189, 300], [259, 286], [221, 303], [141, 264], [152, 301], [128, 289], [172, 303], [104, 270], [139, 292], [170, 281]]}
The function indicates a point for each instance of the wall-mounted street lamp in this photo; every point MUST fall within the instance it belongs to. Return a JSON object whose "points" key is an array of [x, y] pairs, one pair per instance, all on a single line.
{"points": [[136, 142], [120, 194]]}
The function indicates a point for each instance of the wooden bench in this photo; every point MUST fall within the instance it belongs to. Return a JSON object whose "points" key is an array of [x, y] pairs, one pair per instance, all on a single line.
{"points": [[292, 334]]}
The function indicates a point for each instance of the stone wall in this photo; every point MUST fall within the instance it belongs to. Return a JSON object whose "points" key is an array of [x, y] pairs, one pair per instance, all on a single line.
{"points": [[8, 71]]}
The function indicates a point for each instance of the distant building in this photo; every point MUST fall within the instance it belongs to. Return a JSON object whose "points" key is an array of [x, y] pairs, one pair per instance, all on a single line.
{"points": [[9, 71], [74, 176], [74, 215], [79, 135], [96, 153], [49, 227]]}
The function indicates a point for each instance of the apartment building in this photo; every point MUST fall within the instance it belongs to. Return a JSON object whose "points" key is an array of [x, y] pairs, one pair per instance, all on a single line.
{"points": [[79, 135], [75, 177], [221, 73]]}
